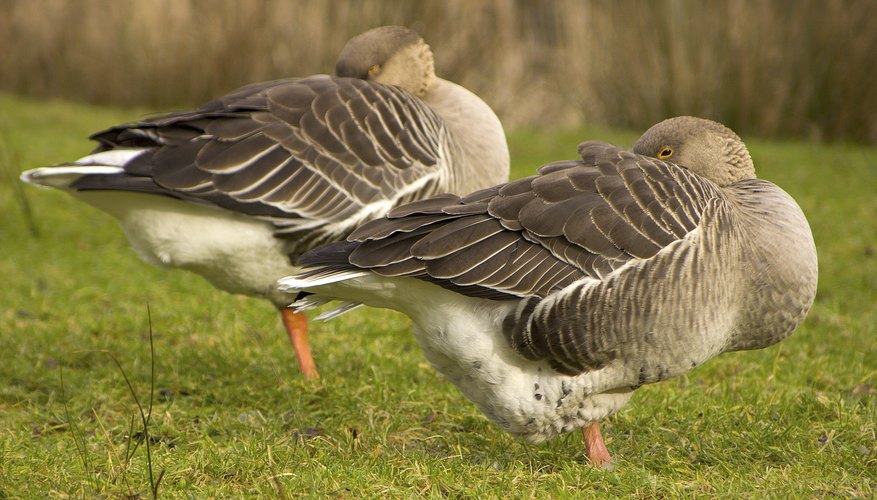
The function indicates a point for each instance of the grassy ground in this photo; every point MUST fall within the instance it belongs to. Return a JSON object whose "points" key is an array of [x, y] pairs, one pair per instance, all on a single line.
{"points": [[231, 416]]}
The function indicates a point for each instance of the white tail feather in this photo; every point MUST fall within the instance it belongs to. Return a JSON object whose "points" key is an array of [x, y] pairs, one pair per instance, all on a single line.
{"points": [[308, 280], [313, 301], [62, 177], [107, 163], [111, 158]]}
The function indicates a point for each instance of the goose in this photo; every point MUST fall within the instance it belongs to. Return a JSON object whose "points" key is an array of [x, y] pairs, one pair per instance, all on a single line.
{"points": [[548, 300], [237, 189]]}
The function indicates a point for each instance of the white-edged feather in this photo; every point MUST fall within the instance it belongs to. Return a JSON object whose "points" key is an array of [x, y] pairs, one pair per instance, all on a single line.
{"points": [[61, 177], [338, 311], [313, 301], [298, 281], [104, 163], [308, 303]]}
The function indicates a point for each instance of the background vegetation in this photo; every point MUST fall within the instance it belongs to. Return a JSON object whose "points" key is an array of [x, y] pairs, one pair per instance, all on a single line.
{"points": [[801, 68], [231, 416]]}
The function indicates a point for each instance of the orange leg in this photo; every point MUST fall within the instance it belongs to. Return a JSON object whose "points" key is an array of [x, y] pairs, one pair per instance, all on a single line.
{"points": [[297, 327], [596, 448]]}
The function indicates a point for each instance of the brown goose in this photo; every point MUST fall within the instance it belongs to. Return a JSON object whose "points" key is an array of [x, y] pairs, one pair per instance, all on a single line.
{"points": [[547, 301], [237, 189]]}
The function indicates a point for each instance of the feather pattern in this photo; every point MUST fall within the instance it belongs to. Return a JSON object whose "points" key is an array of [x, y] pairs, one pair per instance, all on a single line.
{"points": [[575, 219], [301, 151]]}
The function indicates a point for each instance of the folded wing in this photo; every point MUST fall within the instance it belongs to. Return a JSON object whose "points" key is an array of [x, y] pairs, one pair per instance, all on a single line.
{"points": [[575, 220], [302, 153]]}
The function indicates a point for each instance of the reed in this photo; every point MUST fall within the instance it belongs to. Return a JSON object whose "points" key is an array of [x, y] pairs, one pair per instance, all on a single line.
{"points": [[773, 68]]}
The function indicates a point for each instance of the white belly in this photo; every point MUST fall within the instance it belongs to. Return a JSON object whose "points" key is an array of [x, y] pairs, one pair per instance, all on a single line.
{"points": [[462, 338], [525, 398], [236, 253]]}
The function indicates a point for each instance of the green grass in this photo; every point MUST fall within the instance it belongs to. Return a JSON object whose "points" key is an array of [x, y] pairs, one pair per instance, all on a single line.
{"points": [[232, 417]]}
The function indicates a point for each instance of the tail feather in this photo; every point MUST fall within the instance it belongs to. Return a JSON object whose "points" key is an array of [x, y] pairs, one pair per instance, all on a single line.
{"points": [[317, 277], [113, 157], [323, 266], [338, 311], [309, 302], [62, 177], [332, 255]]}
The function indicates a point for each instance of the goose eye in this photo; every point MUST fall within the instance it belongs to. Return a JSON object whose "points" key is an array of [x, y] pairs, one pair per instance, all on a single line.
{"points": [[665, 152], [374, 70]]}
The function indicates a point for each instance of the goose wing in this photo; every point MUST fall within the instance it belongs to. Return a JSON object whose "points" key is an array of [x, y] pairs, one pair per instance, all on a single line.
{"points": [[528, 238], [302, 153]]}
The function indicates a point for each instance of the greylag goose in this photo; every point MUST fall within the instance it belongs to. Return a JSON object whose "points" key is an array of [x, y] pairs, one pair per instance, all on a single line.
{"points": [[547, 301], [237, 189]]}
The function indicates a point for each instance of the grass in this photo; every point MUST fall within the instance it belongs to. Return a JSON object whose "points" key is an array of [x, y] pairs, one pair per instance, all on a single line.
{"points": [[230, 415]]}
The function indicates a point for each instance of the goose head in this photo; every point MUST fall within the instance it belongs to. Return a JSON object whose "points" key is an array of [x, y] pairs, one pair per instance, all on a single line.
{"points": [[705, 147], [392, 55]]}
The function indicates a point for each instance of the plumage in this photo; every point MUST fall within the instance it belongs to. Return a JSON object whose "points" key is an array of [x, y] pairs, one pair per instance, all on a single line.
{"points": [[590, 279], [297, 162]]}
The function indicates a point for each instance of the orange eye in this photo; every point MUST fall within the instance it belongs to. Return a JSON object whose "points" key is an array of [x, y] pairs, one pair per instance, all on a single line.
{"points": [[374, 70], [666, 152]]}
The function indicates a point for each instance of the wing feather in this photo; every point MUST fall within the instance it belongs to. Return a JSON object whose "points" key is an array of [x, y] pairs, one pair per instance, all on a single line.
{"points": [[320, 148], [575, 220]]}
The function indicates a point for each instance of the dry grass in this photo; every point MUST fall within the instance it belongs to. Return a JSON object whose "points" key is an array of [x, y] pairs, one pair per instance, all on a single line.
{"points": [[803, 68]]}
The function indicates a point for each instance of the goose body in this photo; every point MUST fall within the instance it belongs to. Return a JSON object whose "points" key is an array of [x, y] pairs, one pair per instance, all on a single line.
{"points": [[239, 188], [547, 301]]}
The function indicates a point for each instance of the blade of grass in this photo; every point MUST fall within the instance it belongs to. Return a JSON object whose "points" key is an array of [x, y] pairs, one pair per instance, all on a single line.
{"points": [[118, 473], [74, 430], [129, 451], [274, 477], [146, 416]]}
